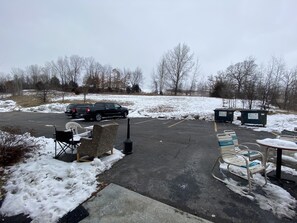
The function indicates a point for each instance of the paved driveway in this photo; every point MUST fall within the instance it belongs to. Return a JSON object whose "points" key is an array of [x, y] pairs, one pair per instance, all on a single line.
{"points": [[171, 162]]}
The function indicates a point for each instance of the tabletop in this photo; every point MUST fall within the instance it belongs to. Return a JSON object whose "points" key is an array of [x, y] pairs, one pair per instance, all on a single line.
{"points": [[278, 144]]}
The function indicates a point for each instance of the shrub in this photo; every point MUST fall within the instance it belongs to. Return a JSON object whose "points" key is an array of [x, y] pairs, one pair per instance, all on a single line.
{"points": [[15, 147]]}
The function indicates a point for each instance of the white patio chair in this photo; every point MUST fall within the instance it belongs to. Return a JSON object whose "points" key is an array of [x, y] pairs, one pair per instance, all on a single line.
{"points": [[74, 126], [232, 157], [248, 149]]}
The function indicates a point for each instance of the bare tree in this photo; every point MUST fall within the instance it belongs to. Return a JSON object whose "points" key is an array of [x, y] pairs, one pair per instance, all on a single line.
{"points": [[240, 73], [90, 71], [271, 76], [193, 81], [250, 89], [76, 65], [220, 86], [107, 71], [17, 87], [293, 95], [160, 78], [288, 80], [44, 83], [155, 83], [116, 74], [33, 72], [127, 73], [61, 67], [136, 77], [179, 62]]}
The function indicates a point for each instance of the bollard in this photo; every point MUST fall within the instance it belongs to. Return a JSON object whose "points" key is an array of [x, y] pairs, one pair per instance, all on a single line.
{"points": [[128, 143]]}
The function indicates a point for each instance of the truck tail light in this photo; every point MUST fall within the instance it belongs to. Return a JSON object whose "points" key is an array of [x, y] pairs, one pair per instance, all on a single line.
{"points": [[88, 110], [73, 110]]}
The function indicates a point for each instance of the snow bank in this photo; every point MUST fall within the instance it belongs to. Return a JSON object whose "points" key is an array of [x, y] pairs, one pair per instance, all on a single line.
{"points": [[46, 189]]}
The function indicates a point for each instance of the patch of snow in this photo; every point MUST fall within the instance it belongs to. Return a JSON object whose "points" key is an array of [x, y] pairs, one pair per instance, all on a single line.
{"points": [[46, 189], [278, 143], [8, 105], [269, 197]]}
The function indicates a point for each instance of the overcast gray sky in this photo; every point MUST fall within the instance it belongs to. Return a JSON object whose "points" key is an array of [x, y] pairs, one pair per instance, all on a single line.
{"points": [[131, 33]]}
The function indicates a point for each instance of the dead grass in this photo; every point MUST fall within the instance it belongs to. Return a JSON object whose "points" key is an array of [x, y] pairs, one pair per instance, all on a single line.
{"points": [[289, 112], [161, 108], [27, 100], [124, 103], [76, 101]]}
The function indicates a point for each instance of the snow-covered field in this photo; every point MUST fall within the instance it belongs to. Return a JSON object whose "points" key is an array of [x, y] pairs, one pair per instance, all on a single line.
{"points": [[162, 107], [50, 188]]}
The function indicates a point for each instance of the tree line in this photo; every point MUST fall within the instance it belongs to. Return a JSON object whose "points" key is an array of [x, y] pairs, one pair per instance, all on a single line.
{"points": [[271, 84], [177, 72], [74, 73]]}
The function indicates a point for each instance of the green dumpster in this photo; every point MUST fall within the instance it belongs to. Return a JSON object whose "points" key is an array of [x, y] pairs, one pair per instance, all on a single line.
{"points": [[256, 117], [224, 114]]}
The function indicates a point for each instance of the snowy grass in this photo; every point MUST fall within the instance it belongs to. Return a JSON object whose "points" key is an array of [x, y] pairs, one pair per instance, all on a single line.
{"points": [[46, 189]]}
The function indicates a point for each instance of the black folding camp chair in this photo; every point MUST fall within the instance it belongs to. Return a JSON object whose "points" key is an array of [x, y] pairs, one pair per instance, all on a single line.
{"points": [[63, 142]]}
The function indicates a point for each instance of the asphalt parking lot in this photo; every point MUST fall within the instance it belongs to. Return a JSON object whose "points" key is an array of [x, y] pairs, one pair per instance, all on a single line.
{"points": [[171, 163]]}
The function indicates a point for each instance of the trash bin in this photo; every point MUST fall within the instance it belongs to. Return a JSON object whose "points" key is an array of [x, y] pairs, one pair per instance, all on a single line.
{"points": [[257, 117], [224, 114]]}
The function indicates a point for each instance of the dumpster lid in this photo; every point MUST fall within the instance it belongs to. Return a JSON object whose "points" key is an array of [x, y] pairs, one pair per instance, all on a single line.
{"points": [[225, 109], [253, 110]]}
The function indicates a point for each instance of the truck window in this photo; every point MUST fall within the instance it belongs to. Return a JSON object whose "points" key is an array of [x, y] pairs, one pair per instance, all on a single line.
{"points": [[109, 106], [99, 106]]}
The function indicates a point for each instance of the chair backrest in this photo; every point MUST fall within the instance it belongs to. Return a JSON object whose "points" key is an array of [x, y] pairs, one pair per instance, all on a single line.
{"points": [[226, 143], [64, 136], [73, 126], [104, 137], [233, 135]]}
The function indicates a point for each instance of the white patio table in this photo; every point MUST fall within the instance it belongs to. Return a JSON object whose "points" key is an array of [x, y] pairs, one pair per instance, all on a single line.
{"points": [[279, 145]]}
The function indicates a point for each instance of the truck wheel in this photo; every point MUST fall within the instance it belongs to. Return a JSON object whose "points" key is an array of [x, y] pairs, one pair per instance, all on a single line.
{"points": [[125, 114], [98, 117]]}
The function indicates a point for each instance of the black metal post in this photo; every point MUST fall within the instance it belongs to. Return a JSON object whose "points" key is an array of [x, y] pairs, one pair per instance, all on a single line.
{"points": [[128, 143], [278, 163]]}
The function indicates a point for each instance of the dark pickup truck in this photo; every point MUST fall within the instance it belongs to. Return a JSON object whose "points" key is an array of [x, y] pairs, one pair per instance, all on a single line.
{"points": [[75, 110], [104, 109]]}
